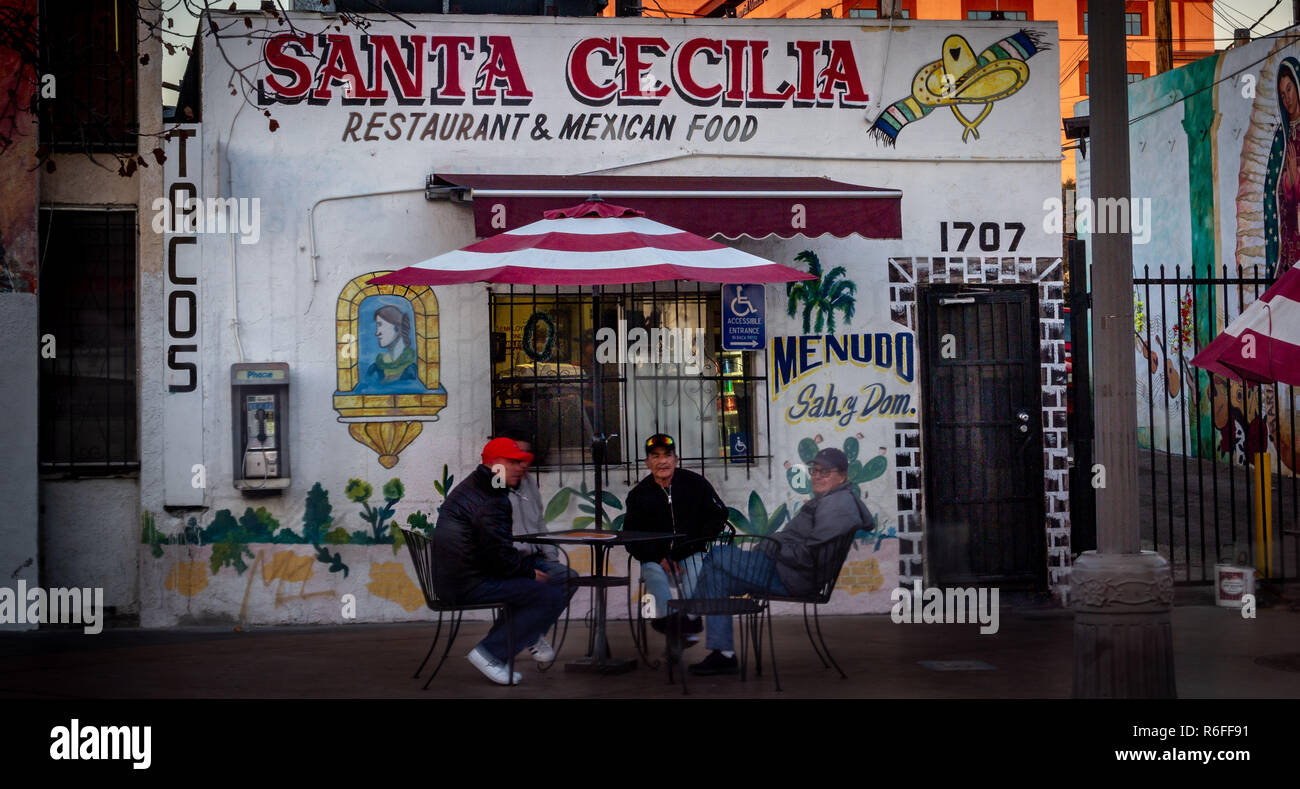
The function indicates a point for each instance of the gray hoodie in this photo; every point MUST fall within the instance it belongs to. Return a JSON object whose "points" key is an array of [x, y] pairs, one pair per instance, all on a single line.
{"points": [[821, 520], [526, 511]]}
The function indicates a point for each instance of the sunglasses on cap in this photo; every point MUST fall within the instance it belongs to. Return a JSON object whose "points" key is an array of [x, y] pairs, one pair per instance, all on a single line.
{"points": [[658, 441]]}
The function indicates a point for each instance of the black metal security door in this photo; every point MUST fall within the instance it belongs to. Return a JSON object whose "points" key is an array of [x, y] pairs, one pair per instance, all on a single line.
{"points": [[983, 437]]}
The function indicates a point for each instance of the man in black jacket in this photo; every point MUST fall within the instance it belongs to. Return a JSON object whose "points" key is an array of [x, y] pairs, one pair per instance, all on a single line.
{"points": [[677, 501], [476, 562]]}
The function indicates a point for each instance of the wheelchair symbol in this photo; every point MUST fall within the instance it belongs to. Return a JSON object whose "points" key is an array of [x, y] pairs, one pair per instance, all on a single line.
{"points": [[740, 300], [738, 446]]}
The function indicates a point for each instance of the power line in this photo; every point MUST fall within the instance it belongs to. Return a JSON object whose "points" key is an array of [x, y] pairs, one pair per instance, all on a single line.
{"points": [[1266, 13]]}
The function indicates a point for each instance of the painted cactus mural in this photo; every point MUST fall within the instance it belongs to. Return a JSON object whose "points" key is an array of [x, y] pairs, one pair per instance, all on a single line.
{"points": [[859, 473], [759, 522], [560, 503]]}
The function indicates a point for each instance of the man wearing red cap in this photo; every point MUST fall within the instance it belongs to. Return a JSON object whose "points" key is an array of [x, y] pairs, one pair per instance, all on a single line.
{"points": [[476, 562]]}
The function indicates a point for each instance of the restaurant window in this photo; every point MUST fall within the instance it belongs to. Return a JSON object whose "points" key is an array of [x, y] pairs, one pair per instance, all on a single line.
{"points": [[91, 55], [87, 295], [660, 359]]}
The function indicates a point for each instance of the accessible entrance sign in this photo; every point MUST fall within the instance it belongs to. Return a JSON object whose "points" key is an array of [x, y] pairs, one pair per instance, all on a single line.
{"points": [[743, 320]]}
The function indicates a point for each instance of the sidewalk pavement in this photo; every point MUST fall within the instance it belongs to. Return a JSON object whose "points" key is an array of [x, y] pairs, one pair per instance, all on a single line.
{"points": [[1217, 654]]}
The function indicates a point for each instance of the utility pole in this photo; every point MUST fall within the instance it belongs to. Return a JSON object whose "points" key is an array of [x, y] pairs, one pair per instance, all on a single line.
{"points": [[1164, 38], [1122, 596]]}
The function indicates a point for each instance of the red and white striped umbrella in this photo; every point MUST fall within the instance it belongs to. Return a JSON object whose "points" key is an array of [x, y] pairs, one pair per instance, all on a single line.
{"points": [[593, 243], [1263, 343]]}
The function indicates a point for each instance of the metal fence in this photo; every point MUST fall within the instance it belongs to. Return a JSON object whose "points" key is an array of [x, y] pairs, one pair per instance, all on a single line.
{"points": [[1218, 458]]}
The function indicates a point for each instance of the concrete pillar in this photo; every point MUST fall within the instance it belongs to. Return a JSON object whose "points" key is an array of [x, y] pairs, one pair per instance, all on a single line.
{"points": [[1122, 596]]}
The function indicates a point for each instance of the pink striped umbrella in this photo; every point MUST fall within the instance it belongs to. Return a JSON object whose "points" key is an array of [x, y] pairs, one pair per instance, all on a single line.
{"points": [[1263, 343], [593, 243]]}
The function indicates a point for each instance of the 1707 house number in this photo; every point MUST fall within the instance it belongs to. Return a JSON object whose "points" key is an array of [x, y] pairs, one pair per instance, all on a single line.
{"points": [[989, 236]]}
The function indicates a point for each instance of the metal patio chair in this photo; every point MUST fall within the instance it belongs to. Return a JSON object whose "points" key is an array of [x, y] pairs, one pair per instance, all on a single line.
{"points": [[635, 618], [421, 550], [725, 556], [828, 560]]}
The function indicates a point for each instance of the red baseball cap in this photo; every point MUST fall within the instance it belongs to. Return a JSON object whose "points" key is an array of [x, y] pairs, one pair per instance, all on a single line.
{"points": [[505, 448]]}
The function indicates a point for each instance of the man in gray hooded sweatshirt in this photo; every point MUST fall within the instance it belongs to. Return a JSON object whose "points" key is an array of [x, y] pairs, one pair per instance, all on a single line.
{"points": [[834, 511]]}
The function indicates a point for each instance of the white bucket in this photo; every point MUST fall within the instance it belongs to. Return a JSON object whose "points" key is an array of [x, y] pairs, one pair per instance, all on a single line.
{"points": [[1231, 583]]}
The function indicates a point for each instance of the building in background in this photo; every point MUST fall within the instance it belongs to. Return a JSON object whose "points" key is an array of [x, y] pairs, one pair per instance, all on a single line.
{"points": [[1191, 28], [74, 247]]}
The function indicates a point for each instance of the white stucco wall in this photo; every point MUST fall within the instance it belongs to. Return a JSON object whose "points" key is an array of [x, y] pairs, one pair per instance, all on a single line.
{"points": [[89, 533], [19, 552]]}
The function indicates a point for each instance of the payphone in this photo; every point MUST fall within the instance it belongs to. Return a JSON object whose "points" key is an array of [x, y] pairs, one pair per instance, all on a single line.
{"points": [[259, 398]]}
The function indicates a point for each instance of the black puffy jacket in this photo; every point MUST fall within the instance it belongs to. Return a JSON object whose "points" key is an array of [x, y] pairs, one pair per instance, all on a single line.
{"points": [[696, 512], [471, 542]]}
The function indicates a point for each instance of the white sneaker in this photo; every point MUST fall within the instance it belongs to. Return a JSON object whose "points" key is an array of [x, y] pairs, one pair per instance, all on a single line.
{"points": [[542, 651], [492, 668]]}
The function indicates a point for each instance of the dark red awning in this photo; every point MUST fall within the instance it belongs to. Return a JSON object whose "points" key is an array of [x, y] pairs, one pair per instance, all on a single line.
{"points": [[730, 206]]}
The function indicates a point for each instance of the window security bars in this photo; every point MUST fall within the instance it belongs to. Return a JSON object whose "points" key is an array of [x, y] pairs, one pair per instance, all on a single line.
{"points": [[87, 292], [681, 382]]}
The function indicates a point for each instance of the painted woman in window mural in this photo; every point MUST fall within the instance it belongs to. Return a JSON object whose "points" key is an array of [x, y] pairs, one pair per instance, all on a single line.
{"points": [[388, 346], [397, 360], [1282, 185]]}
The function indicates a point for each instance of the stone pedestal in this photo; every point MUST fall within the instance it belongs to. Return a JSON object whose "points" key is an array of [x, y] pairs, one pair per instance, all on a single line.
{"points": [[1123, 642]]}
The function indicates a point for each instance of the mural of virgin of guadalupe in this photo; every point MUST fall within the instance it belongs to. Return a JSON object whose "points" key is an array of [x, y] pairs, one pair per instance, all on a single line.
{"points": [[1282, 184]]}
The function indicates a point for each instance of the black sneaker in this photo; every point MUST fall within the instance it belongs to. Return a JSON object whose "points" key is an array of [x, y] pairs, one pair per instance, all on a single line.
{"points": [[716, 663]]}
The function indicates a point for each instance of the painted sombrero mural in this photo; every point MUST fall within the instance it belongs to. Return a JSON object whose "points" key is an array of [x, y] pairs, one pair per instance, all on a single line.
{"points": [[959, 77]]}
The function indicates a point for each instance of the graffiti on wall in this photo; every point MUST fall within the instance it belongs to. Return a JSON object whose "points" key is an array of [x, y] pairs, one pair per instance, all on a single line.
{"points": [[961, 78], [388, 361], [230, 544]]}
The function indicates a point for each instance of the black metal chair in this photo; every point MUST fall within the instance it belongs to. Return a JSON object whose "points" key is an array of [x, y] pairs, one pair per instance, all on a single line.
{"points": [[828, 560], [422, 557], [635, 613], [725, 557]]}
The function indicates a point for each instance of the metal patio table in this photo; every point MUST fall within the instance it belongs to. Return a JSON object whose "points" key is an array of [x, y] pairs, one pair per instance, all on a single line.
{"points": [[598, 658]]}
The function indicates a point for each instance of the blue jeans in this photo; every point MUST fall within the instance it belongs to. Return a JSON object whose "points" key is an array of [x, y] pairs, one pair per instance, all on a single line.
{"points": [[725, 572], [533, 607], [559, 573], [659, 586]]}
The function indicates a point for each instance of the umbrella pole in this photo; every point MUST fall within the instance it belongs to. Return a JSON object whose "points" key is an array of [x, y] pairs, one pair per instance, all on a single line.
{"points": [[598, 438]]}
